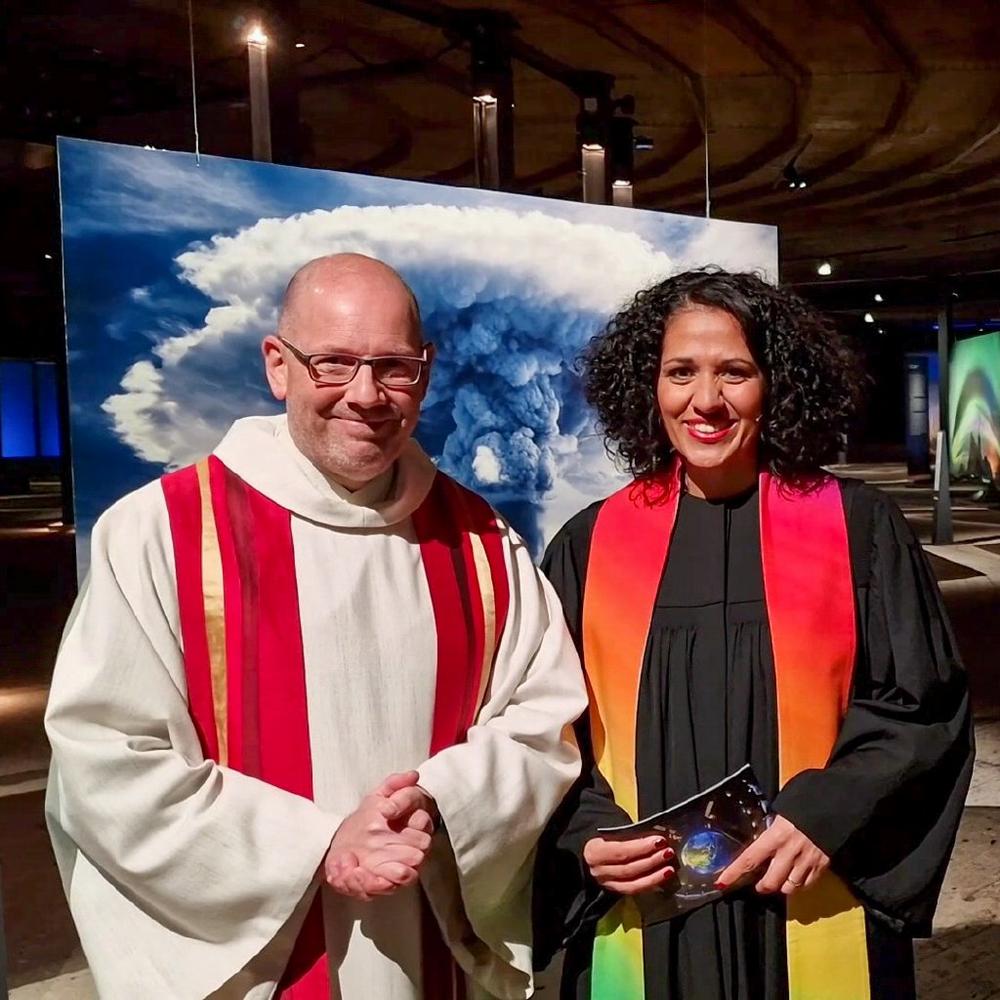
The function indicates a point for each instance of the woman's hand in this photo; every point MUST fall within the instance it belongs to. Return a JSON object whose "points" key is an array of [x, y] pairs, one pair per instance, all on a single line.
{"points": [[629, 867], [793, 861]]}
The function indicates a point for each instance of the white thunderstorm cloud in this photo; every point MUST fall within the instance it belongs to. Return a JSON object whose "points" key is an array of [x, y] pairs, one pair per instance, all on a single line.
{"points": [[509, 298]]}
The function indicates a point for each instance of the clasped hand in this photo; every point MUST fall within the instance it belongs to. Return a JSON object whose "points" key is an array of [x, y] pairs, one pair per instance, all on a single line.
{"points": [[382, 844], [785, 859]]}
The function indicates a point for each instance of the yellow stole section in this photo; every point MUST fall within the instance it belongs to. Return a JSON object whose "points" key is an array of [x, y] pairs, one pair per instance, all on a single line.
{"points": [[810, 606]]}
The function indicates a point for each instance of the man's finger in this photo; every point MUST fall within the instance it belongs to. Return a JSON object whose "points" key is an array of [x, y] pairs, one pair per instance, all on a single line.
{"points": [[634, 886], [395, 872], [405, 801], [408, 856], [634, 869], [421, 820], [415, 838], [394, 782]]}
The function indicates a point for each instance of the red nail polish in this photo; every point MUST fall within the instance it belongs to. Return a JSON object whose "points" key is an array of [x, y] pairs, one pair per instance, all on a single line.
{"points": [[668, 854], [721, 886]]}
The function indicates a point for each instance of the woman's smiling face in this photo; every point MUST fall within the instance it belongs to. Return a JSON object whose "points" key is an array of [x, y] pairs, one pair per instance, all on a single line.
{"points": [[710, 390]]}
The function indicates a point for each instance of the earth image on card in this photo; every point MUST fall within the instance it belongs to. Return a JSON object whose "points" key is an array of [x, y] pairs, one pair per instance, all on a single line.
{"points": [[707, 852]]}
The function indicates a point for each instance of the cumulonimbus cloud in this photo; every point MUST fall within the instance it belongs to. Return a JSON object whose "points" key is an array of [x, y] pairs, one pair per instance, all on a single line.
{"points": [[509, 297]]}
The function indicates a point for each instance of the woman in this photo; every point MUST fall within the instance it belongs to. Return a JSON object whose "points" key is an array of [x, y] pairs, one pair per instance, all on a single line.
{"points": [[737, 605]]}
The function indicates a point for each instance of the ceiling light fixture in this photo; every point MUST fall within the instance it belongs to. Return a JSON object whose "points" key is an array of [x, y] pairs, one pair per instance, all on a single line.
{"points": [[869, 318], [878, 297], [300, 45], [825, 269]]}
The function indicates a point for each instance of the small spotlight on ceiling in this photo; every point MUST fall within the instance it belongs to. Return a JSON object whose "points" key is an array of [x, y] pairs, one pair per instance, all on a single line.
{"points": [[794, 177], [880, 330], [593, 147], [47, 256], [300, 45], [878, 297], [825, 269], [486, 99], [257, 36], [869, 318]]}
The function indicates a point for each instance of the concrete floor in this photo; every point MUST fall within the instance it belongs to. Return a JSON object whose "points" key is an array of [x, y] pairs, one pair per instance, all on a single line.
{"points": [[961, 961]]}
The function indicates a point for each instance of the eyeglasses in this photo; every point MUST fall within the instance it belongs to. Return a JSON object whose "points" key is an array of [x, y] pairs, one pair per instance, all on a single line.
{"points": [[393, 371]]}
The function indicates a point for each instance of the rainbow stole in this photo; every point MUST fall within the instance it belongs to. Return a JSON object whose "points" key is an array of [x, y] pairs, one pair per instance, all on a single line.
{"points": [[243, 656], [810, 607]]}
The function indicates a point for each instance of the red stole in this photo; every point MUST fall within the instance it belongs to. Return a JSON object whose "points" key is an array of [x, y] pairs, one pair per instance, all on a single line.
{"points": [[240, 625], [810, 606]]}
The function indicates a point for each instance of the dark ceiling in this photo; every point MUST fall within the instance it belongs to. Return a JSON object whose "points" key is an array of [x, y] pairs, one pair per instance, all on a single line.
{"points": [[889, 110]]}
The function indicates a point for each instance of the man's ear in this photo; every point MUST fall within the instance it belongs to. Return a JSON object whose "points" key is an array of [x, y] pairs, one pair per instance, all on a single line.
{"points": [[275, 366]]}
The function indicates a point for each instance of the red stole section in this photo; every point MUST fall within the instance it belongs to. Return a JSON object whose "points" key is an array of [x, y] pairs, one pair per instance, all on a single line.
{"points": [[810, 607], [240, 626]]}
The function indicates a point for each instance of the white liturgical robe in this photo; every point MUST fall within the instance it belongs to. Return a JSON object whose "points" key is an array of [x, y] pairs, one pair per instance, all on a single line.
{"points": [[188, 879]]}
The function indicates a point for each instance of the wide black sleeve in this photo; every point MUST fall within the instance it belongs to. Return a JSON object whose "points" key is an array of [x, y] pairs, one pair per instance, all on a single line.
{"points": [[566, 899], [887, 806]]}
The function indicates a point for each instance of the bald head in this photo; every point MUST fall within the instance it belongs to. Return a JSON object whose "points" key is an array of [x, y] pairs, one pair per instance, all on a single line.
{"points": [[356, 308], [322, 283]]}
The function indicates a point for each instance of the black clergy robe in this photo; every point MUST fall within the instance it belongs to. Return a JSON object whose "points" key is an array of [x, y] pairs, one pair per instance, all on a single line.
{"points": [[886, 807]]}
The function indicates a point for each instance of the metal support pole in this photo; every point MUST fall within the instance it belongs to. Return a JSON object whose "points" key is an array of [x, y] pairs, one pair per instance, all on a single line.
{"points": [[489, 33], [484, 130], [943, 528], [260, 99], [595, 173]]}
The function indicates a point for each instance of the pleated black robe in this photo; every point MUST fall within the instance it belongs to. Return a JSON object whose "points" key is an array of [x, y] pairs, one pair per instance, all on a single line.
{"points": [[886, 807]]}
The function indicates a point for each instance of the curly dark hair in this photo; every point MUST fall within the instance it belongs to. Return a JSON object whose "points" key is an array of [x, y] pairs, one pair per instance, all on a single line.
{"points": [[814, 379]]}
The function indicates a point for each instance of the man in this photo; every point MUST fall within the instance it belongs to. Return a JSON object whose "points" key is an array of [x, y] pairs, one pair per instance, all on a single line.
{"points": [[290, 664]]}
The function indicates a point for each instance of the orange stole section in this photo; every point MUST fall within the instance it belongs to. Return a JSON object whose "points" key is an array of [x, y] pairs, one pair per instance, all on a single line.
{"points": [[810, 606]]}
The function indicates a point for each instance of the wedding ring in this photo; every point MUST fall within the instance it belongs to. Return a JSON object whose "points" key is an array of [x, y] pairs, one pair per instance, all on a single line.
{"points": [[793, 882]]}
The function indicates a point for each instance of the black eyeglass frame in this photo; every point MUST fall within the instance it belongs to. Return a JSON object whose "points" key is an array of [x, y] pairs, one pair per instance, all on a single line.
{"points": [[308, 360]]}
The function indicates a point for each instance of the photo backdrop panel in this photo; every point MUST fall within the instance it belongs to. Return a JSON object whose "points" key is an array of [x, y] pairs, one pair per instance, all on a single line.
{"points": [[174, 272], [974, 401]]}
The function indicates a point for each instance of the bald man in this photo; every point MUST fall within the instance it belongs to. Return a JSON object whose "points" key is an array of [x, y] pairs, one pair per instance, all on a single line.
{"points": [[313, 705]]}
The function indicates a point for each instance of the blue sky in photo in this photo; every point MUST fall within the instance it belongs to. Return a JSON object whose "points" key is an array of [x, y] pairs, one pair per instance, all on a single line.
{"points": [[174, 270]]}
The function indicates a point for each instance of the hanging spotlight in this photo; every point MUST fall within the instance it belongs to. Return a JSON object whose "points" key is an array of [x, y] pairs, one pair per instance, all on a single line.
{"points": [[825, 269], [489, 34], [869, 318], [878, 297], [300, 45]]}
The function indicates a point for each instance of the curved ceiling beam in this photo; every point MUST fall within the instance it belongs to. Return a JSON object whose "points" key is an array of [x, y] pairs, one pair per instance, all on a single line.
{"points": [[457, 172], [569, 165], [595, 15], [888, 43], [890, 200], [659, 166], [748, 30], [766, 194], [781, 147], [778, 148], [884, 37]]}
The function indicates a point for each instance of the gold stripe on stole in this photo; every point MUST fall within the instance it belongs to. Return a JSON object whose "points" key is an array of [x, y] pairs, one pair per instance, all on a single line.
{"points": [[827, 943], [488, 597], [215, 609]]}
